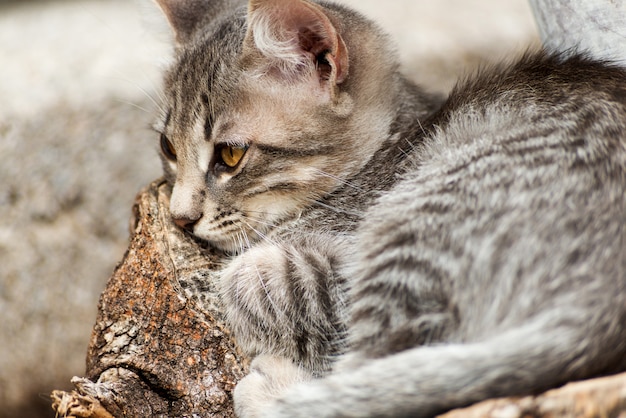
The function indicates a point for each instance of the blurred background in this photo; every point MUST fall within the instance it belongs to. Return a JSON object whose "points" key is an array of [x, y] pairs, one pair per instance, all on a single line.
{"points": [[78, 84]]}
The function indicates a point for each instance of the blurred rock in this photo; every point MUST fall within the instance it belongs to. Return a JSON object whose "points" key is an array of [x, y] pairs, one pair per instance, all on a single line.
{"points": [[67, 190], [76, 147]]}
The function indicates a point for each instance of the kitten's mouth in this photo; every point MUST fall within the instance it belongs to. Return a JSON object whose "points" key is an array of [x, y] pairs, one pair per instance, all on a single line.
{"points": [[231, 244], [206, 244], [222, 247], [212, 243]]}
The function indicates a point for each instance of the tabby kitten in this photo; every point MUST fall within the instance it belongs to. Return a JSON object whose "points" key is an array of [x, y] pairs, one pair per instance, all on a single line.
{"points": [[494, 265], [275, 153]]}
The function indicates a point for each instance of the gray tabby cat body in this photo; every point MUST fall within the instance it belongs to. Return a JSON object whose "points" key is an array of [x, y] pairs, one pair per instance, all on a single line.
{"points": [[495, 265]]}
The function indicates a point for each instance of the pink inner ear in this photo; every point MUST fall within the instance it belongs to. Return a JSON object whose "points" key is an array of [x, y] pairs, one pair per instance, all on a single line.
{"points": [[315, 37], [305, 27]]}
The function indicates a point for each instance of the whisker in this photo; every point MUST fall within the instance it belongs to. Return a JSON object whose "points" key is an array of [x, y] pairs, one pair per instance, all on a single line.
{"points": [[146, 93], [260, 234], [246, 238], [419, 122], [259, 221], [336, 210], [339, 179], [411, 147], [267, 239], [279, 313], [237, 241], [135, 105]]}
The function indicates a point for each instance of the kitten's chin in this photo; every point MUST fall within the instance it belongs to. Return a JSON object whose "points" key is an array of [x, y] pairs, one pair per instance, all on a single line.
{"points": [[229, 248], [227, 245]]}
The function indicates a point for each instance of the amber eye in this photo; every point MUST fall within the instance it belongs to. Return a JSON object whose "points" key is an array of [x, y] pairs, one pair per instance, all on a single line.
{"points": [[231, 156], [167, 148]]}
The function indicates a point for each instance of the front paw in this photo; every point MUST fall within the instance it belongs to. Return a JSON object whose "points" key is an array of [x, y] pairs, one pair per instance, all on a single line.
{"points": [[269, 378]]}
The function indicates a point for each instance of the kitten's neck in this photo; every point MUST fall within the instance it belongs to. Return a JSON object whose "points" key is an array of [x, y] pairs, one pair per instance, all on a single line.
{"points": [[412, 109], [388, 110]]}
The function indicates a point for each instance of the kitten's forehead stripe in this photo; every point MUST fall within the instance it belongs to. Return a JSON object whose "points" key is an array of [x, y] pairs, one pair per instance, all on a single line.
{"points": [[201, 85]]}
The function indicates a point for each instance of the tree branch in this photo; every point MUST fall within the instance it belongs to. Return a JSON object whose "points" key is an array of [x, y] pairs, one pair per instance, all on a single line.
{"points": [[159, 346]]}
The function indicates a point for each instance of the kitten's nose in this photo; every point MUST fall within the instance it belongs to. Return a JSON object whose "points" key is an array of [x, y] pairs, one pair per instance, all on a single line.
{"points": [[185, 223]]}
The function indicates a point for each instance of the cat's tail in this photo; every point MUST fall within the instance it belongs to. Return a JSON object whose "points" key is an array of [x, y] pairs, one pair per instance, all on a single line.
{"points": [[428, 380]]}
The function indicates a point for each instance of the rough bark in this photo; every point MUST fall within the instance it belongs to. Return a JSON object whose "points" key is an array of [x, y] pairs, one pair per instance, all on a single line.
{"points": [[158, 349]]}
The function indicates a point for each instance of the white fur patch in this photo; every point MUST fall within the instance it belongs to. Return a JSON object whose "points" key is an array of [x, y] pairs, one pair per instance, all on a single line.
{"points": [[279, 43], [267, 38], [269, 378]]}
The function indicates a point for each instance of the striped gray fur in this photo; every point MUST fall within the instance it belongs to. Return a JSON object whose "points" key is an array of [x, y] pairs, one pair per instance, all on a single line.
{"points": [[390, 254]]}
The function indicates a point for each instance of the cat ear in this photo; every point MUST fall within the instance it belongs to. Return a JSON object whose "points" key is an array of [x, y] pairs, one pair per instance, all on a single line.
{"points": [[186, 16], [297, 36]]}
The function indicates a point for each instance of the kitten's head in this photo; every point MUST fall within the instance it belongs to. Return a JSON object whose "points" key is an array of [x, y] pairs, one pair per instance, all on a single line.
{"points": [[268, 110]]}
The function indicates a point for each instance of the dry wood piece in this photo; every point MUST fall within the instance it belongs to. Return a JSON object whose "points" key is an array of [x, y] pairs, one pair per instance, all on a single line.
{"points": [[159, 346], [595, 398], [76, 405]]}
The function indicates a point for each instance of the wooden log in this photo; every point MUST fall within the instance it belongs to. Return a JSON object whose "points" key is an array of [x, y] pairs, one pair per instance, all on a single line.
{"points": [[159, 346], [594, 398]]}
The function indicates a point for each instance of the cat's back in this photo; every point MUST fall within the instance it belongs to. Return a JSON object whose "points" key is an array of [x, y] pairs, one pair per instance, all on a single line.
{"points": [[573, 106], [516, 203]]}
